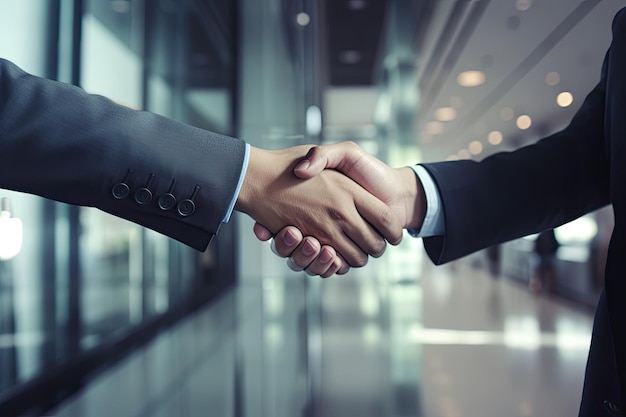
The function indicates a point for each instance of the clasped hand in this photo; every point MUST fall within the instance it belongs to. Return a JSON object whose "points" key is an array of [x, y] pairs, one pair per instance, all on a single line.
{"points": [[332, 208]]}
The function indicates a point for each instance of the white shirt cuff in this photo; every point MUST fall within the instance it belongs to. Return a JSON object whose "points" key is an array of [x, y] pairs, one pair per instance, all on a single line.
{"points": [[434, 224], [244, 168]]}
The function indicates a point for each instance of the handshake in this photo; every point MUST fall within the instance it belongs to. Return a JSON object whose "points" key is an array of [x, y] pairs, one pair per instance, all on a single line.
{"points": [[330, 208]]}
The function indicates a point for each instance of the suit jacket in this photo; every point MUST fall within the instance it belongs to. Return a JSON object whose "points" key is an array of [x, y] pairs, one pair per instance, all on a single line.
{"points": [[556, 180], [56, 141]]}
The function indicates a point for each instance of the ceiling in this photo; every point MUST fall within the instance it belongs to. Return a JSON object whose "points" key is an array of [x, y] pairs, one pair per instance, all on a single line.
{"points": [[529, 52]]}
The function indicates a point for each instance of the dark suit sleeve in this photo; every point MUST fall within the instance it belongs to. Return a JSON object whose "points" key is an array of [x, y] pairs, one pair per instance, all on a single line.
{"points": [[510, 195], [58, 142]]}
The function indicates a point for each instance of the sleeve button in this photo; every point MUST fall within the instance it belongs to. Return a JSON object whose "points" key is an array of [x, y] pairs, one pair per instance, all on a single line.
{"points": [[143, 196], [167, 201], [186, 208], [120, 191]]}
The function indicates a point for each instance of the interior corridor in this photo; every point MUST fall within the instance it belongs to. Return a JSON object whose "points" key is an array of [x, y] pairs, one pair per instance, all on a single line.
{"points": [[449, 341]]}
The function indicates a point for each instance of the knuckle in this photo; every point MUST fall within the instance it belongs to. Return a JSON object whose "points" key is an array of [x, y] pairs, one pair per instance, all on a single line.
{"points": [[360, 260], [379, 248]]}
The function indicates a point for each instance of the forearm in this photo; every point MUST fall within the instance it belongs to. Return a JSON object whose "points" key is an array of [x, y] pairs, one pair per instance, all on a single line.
{"points": [[59, 142]]}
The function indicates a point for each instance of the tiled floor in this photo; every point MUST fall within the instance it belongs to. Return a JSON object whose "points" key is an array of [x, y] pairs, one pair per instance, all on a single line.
{"points": [[383, 341]]}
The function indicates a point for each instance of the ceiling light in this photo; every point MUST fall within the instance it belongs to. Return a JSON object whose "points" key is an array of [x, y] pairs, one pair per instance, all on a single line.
{"points": [[495, 137], [475, 147], [471, 78], [565, 99], [506, 114], [553, 78], [524, 122], [303, 19], [523, 5], [445, 114]]}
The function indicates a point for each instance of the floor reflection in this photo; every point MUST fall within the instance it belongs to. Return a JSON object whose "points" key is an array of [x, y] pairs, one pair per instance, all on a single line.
{"points": [[397, 338]]}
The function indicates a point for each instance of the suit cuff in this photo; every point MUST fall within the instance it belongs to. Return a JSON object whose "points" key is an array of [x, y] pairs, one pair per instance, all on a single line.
{"points": [[244, 168], [434, 224]]}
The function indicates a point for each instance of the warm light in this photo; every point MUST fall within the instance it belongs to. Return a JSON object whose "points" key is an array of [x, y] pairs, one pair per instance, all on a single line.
{"points": [[495, 137], [452, 158], [524, 122], [464, 154], [445, 114], [303, 19], [471, 78], [506, 114], [565, 99], [523, 5], [475, 147], [553, 78], [434, 128]]}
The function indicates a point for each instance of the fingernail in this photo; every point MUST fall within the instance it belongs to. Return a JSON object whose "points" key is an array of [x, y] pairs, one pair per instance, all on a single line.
{"points": [[290, 239], [325, 257], [304, 164], [308, 249]]}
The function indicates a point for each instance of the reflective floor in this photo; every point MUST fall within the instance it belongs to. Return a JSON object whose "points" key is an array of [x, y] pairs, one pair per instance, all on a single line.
{"points": [[427, 341]]}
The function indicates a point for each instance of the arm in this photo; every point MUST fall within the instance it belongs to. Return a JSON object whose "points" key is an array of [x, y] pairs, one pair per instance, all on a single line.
{"points": [[505, 196], [56, 141], [514, 194]]}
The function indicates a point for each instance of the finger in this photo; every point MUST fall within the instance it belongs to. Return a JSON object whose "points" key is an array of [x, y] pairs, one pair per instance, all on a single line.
{"points": [[380, 217], [357, 228], [261, 232], [334, 267], [286, 241], [352, 252], [344, 268], [323, 262], [305, 253]]}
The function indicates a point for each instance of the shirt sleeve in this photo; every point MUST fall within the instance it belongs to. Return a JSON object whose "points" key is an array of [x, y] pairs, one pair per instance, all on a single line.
{"points": [[434, 224], [244, 168]]}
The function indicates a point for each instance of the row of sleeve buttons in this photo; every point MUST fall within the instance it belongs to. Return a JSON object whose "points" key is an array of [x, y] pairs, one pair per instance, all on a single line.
{"points": [[165, 202]]}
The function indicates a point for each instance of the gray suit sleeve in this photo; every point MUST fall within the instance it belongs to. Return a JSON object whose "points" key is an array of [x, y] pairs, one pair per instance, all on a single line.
{"points": [[59, 142]]}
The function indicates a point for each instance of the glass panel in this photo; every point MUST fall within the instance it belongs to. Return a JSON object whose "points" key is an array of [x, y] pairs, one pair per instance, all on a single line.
{"points": [[110, 248], [24, 326]]}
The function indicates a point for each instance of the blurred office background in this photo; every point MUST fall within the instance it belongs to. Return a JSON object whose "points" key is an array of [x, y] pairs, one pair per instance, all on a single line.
{"points": [[101, 317]]}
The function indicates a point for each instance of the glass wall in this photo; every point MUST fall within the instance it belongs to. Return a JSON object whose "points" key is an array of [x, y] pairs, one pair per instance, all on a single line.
{"points": [[84, 279]]}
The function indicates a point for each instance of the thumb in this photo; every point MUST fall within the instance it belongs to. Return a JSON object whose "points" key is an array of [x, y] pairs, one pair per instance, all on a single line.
{"points": [[336, 156], [313, 163]]}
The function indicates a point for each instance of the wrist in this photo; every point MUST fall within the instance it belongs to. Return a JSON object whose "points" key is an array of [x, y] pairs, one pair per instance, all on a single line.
{"points": [[413, 197], [250, 182]]}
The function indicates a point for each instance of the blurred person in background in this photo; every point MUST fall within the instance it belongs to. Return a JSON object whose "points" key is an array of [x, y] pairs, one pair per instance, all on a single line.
{"points": [[545, 248]]}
